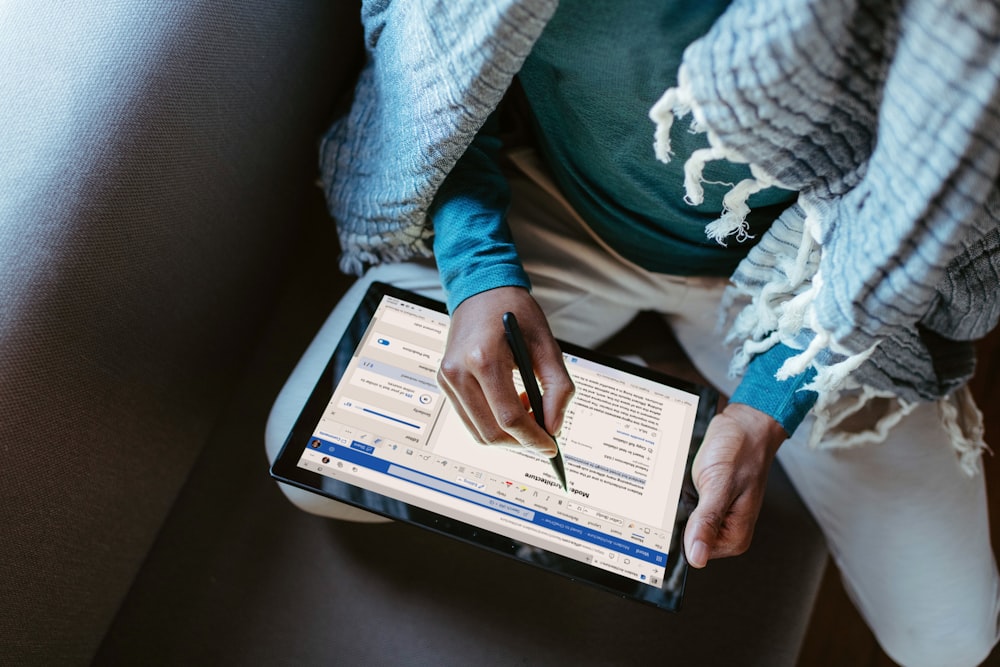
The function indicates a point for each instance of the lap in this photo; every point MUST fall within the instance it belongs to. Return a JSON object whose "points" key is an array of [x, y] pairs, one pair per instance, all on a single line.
{"points": [[907, 527], [909, 531]]}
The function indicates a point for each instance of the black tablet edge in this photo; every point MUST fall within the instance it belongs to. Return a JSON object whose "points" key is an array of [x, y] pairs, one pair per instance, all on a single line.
{"points": [[285, 469]]}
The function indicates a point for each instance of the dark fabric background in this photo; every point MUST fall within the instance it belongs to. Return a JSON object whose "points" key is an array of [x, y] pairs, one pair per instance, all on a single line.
{"points": [[154, 160]]}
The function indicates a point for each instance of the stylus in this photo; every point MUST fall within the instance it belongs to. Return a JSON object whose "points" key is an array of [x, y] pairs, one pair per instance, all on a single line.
{"points": [[523, 360]]}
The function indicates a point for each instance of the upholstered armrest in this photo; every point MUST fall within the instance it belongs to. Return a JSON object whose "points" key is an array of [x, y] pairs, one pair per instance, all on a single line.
{"points": [[153, 156]]}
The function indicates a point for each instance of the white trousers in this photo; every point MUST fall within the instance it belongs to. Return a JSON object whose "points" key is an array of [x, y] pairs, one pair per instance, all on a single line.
{"points": [[907, 528]]}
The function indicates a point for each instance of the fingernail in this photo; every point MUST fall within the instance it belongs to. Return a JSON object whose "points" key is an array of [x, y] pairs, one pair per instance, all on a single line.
{"points": [[547, 452], [557, 427], [699, 554]]}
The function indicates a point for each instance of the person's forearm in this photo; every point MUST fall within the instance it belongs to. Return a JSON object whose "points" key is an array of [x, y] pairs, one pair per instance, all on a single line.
{"points": [[472, 243]]}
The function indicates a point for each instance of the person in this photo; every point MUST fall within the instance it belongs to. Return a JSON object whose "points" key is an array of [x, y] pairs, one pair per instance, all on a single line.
{"points": [[839, 215]]}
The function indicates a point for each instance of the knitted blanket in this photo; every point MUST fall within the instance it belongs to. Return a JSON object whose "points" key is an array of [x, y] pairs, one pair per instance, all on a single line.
{"points": [[434, 72], [884, 115]]}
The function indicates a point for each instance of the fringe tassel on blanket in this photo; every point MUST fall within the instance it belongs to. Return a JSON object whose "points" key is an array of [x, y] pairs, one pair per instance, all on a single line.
{"points": [[964, 423], [830, 430], [677, 103], [783, 308]]}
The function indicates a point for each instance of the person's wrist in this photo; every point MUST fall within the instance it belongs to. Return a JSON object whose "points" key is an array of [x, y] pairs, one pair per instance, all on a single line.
{"points": [[763, 430]]}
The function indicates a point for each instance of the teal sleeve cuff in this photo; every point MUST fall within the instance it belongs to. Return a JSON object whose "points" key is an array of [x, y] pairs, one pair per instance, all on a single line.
{"points": [[472, 242], [473, 249], [783, 400]]}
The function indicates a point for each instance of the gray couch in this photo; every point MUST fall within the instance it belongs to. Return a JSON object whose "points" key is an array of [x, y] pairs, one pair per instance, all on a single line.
{"points": [[164, 259]]}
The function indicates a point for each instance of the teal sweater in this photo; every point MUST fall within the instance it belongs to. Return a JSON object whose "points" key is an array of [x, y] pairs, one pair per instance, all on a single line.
{"points": [[595, 70]]}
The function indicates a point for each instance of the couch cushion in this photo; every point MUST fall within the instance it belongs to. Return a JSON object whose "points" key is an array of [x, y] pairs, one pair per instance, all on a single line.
{"points": [[154, 154]]}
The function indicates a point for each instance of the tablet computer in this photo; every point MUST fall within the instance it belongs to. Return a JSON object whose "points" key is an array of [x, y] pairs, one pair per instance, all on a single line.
{"points": [[378, 433]]}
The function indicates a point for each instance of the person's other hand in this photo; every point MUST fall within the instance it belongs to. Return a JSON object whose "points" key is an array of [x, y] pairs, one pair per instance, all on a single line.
{"points": [[730, 473], [477, 371]]}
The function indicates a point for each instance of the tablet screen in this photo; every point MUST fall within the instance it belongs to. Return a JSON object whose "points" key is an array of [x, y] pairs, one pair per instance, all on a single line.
{"points": [[386, 438]]}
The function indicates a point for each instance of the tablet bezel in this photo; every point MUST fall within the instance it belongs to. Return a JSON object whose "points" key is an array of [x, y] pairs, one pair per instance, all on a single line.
{"points": [[286, 469]]}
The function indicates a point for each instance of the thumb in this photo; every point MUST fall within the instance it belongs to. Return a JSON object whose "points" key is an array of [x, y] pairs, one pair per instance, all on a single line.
{"points": [[711, 474], [703, 529]]}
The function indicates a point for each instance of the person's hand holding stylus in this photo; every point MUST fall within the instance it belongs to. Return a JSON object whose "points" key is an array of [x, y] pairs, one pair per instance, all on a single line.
{"points": [[515, 340], [477, 371]]}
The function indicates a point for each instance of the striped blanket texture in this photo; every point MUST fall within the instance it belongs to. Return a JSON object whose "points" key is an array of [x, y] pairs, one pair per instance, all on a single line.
{"points": [[884, 115]]}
